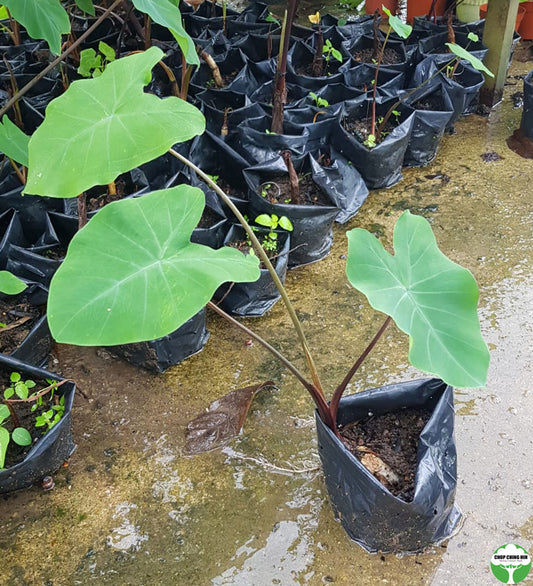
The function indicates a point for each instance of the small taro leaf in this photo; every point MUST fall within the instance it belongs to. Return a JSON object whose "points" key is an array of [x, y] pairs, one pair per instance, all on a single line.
{"points": [[43, 19], [13, 142], [11, 285], [464, 54], [86, 6], [4, 14], [21, 436], [473, 37], [100, 128], [431, 299], [132, 274], [167, 14], [400, 28], [222, 421], [4, 442]]}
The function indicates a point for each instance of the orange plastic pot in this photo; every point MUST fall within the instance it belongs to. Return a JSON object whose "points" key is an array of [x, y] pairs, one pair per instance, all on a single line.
{"points": [[519, 16], [526, 26], [421, 8], [372, 5]]}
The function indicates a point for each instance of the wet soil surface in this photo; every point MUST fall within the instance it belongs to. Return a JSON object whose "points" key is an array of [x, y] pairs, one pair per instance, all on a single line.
{"points": [[209, 219], [277, 190], [18, 318], [393, 437]]}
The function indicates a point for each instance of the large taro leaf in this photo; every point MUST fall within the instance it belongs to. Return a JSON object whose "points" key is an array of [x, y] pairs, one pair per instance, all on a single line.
{"points": [[167, 14], [13, 142], [429, 297], [102, 127], [43, 19], [132, 274]]}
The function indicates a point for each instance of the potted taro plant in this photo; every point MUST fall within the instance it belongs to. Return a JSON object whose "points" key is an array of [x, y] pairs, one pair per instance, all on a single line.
{"points": [[149, 279]]}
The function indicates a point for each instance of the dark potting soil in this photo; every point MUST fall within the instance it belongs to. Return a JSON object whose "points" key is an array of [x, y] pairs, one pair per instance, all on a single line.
{"points": [[390, 56], [97, 200], [307, 69], [277, 190], [432, 103], [26, 418], [393, 438], [208, 219], [228, 189], [17, 320], [360, 128], [227, 79], [244, 247]]}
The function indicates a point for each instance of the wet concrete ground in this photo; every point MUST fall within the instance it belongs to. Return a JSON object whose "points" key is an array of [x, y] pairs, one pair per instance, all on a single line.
{"points": [[130, 509]]}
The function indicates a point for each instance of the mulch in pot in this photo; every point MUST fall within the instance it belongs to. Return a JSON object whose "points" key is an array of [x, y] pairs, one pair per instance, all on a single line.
{"points": [[393, 438]]}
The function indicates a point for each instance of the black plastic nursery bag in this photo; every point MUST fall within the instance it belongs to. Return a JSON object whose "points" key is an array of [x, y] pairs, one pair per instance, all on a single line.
{"points": [[49, 453], [429, 126], [158, 355], [312, 235], [370, 514], [256, 298], [380, 166]]}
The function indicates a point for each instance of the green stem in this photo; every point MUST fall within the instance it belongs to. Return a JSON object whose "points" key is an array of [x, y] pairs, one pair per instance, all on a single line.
{"points": [[264, 257]]}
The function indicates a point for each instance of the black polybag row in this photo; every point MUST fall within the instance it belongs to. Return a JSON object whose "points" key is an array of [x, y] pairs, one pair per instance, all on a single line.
{"points": [[370, 514]]}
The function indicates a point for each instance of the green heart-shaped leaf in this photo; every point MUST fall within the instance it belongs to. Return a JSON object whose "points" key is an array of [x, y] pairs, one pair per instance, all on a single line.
{"points": [[167, 14], [13, 142], [132, 274], [430, 297], [43, 19], [102, 127]]}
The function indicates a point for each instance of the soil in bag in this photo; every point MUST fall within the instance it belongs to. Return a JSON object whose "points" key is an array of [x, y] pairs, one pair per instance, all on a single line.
{"points": [[387, 446]]}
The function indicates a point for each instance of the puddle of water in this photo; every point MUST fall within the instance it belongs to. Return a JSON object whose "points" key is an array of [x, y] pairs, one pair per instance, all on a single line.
{"points": [[131, 509]]}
